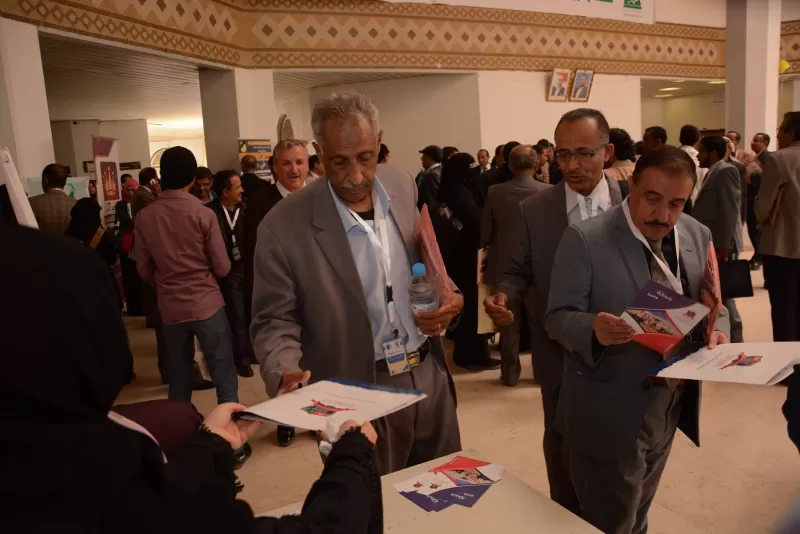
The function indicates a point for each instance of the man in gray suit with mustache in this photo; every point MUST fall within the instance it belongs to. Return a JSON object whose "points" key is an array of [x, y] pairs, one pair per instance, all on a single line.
{"points": [[582, 148], [618, 422]]}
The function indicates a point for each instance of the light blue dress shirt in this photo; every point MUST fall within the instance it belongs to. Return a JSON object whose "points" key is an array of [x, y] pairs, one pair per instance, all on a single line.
{"points": [[373, 279]]}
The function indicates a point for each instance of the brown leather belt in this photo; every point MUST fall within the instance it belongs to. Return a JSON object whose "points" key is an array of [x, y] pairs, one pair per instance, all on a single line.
{"points": [[414, 358]]}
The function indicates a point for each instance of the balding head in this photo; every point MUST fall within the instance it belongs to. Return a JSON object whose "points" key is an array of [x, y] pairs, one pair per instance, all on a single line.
{"points": [[249, 163], [523, 160]]}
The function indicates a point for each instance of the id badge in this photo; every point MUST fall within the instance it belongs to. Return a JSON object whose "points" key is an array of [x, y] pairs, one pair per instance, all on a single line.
{"points": [[236, 254], [396, 359]]}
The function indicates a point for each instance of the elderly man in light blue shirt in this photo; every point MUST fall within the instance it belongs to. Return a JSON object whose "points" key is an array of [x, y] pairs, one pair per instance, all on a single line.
{"points": [[373, 279]]}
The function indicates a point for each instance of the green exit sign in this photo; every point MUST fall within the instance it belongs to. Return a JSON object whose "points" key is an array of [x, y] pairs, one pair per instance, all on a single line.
{"points": [[632, 4]]}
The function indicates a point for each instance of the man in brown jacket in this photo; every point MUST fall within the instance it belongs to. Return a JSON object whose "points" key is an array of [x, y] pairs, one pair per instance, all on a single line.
{"points": [[778, 210], [52, 207], [329, 294]]}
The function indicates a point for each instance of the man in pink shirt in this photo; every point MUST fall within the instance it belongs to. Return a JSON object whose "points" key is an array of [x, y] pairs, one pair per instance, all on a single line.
{"points": [[180, 251]]}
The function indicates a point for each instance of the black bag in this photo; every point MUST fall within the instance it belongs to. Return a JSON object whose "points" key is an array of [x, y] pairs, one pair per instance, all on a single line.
{"points": [[734, 279]]}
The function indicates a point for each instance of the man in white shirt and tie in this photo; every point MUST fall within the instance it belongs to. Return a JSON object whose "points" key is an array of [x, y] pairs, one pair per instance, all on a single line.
{"points": [[582, 149]]}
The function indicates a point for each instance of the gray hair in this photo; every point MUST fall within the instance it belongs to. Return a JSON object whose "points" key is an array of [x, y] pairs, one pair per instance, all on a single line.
{"points": [[288, 144], [343, 106]]}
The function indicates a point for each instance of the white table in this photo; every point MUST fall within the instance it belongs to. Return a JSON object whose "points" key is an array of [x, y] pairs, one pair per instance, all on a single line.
{"points": [[510, 506]]}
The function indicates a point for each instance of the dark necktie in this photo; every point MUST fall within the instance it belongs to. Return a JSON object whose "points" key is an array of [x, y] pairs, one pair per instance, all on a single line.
{"points": [[657, 274]]}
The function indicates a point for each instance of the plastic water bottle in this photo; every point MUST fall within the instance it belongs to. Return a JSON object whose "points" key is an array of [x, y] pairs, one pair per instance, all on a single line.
{"points": [[423, 292]]}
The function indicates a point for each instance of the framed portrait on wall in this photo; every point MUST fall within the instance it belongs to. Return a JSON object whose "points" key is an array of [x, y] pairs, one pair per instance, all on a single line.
{"points": [[581, 86], [558, 91]]}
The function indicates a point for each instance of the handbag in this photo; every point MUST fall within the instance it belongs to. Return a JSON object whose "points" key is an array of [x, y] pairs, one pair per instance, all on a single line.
{"points": [[734, 279]]}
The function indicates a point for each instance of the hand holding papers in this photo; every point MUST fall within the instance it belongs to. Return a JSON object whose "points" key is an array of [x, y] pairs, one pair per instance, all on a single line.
{"points": [[310, 407], [661, 318], [743, 363]]}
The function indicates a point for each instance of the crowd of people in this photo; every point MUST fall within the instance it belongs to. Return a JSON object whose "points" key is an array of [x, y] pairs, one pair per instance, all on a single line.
{"points": [[309, 278]]}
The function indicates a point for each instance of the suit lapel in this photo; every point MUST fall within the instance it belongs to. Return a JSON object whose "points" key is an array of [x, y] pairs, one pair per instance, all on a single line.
{"points": [[614, 191], [558, 213], [632, 251], [690, 260], [404, 222], [332, 239]]}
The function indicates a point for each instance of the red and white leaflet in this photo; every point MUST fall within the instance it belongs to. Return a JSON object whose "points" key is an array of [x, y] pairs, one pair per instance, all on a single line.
{"points": [[710, 293], [432, 257]]}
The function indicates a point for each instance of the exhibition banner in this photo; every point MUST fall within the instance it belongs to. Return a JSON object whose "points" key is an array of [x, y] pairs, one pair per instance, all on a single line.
{"points": [[625, 10], [262, 150], [105, 151]]}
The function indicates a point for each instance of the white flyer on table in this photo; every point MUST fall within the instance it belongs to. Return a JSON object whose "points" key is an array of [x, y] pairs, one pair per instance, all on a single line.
{"points": [[310, 407], [743, 363]]}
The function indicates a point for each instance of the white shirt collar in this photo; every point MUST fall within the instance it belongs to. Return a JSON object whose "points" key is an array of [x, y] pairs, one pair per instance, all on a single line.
{"points": [[433, 166], [601, 198], [285, 192]]}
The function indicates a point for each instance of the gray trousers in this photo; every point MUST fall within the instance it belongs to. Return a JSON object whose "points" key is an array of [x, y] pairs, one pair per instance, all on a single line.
{"points": [[510, 367], [424, 431], [616, 496], [737, 329]]}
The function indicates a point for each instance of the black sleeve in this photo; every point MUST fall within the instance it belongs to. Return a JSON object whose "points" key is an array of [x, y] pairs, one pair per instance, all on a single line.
{"points": [[346, 498]]}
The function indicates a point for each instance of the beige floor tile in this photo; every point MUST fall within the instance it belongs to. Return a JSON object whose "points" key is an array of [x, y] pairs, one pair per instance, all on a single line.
{"points": [[740, 481]]}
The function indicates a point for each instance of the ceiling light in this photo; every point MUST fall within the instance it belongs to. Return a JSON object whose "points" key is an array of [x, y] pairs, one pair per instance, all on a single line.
{"points": [[716, 82], [670, 89], [663, 96]]}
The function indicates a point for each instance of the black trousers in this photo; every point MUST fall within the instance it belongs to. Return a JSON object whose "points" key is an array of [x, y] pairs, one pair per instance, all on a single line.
{"points": [[232, 287], [782, 277], [752, 222], [131, 286]]}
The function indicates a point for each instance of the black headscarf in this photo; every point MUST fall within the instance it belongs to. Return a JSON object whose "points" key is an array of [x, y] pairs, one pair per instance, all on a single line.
{"points": [[84, 220], [458, 171], [65, 358]]}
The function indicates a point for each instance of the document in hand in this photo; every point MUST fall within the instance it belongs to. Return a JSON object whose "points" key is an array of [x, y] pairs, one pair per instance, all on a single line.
{"points": [[431, 256], [661, 318], [460, 481], [310, 407], [743, 363]]}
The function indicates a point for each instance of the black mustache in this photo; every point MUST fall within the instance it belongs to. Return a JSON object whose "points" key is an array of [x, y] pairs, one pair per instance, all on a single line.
{"points": [[657, 224]]}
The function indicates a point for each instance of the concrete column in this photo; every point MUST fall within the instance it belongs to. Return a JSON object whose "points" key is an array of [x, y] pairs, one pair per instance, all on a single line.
{"points": [[24, 117], [753, 53], [237, 104]]}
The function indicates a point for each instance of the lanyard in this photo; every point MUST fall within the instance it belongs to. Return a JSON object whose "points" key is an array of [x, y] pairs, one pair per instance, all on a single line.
{"points": [[232, 224], [675, 281], [383, 252]]}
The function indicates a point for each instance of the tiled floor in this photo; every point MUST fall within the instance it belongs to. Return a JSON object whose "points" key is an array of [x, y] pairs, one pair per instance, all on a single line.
{"points": [[739, 482]]}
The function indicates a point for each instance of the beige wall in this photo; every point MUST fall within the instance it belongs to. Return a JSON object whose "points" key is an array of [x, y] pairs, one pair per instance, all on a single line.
{"points": [[513, 105], [676, 112], [414, 112]]}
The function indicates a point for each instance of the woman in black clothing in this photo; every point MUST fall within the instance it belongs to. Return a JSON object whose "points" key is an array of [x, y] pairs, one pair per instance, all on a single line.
{"points": [[68, 464], [86, 227], [462, 193]]}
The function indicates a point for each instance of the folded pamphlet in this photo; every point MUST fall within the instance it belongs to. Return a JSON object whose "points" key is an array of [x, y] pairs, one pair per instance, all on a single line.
{"points": [[661, 318], [310, 407], [460, 481], [744, 363]]}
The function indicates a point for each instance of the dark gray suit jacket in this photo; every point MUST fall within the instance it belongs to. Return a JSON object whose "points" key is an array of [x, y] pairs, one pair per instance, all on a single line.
{"points": [[500, 221], [309, 308], [718, 206], [600, 267], [526, 275]]}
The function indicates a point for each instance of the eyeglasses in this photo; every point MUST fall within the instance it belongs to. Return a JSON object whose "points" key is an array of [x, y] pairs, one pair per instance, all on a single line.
{"points": [[581, 156]]}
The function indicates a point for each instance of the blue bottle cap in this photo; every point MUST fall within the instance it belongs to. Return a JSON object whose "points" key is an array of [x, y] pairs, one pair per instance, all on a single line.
{"points": [[418, 269]]}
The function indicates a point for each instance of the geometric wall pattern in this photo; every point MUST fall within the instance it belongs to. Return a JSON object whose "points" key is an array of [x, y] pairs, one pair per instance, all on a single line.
{"points": [[790, 44], [373, 34]]}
